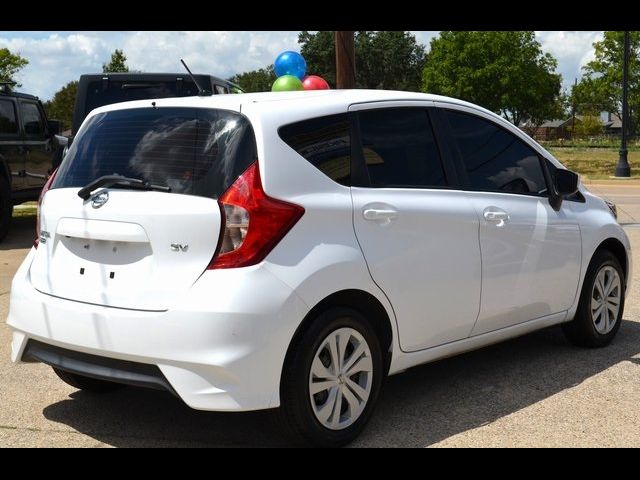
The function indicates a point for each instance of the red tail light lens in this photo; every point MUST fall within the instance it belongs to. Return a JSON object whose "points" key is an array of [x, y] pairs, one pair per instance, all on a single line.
{"points": [[253, 223], [45, 189]]}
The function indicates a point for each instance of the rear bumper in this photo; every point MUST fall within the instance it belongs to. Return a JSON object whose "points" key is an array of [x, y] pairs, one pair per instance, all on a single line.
{"points": [[102, 368], [221, 347]]}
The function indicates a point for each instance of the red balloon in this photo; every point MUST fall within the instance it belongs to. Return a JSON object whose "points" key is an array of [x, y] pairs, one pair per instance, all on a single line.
{"points": [[314, 82]]}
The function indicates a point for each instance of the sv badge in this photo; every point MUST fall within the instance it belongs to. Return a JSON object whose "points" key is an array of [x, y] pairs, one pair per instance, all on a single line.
{"points": [[178, 247]]}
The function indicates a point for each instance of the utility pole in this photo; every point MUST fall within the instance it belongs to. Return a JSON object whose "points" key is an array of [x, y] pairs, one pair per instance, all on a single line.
{"points": [[345, 60], [573, 111], [623, 169]]}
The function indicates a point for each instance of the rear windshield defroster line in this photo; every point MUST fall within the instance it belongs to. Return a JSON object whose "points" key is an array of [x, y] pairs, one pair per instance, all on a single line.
{"points": [[194, 151]]}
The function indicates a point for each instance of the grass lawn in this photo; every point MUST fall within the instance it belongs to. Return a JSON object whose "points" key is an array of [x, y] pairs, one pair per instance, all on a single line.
{"points": [[594, 163], [29, 209]]}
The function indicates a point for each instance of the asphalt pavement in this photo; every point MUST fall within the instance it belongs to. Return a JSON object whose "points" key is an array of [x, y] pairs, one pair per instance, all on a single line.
{"points": [[534, 391]]}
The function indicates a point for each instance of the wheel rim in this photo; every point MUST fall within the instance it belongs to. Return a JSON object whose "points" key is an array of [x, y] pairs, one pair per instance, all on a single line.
{"points": [[605, 299], [340, 378]]}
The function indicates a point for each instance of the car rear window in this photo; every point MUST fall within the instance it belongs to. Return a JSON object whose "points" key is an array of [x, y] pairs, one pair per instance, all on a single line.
{"points": [[194, 151]]}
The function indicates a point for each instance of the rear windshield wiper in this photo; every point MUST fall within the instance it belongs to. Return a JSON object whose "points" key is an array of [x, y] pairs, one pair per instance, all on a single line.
{"points": [[110, 180]]}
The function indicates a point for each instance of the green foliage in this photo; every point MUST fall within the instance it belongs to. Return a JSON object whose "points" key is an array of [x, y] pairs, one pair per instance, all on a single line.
{"points": [[506, 72], [319, 51], [60, 107], [10, 64], [256, 80], [589, 125], [601, 87], [391, 60], [117, 63]]}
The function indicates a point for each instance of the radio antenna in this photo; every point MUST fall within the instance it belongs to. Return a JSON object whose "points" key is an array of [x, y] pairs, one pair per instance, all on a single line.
{"points": [[201, 91]]}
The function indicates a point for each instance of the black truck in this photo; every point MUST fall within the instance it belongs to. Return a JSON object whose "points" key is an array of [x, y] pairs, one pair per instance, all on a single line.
{"points": [[98, 89], [30, 149]]}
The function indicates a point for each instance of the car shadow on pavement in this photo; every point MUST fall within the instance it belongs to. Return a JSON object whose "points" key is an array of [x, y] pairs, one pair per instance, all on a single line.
{"points": [[21, 234], [418, 408]]}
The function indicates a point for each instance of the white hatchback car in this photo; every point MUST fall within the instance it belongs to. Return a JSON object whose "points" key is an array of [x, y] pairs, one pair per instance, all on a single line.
{"points": [[291, 250]]}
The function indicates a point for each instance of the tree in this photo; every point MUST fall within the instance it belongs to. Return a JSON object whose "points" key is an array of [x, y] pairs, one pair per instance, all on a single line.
{"points": [[10, 65], [60, 107], [589, 125], [319, 51], [506, 72], [600, 89], [117, 63], [256, 80], [387, 59]]}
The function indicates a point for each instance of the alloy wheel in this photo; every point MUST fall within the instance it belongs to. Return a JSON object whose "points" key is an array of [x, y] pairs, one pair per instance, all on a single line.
{"points": [[605, 299], [340, 379]]}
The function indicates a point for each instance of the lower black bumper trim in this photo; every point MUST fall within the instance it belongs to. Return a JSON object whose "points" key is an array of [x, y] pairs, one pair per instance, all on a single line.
{"points": [[94, 366]]}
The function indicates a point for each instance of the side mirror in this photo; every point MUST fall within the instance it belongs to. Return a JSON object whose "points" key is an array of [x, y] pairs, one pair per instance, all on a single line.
{"points": [[54, 127], [566, 182]]}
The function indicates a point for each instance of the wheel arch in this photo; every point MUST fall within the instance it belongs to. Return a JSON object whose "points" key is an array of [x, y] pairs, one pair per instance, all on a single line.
{"points": [[616, 247], [360, 300]]}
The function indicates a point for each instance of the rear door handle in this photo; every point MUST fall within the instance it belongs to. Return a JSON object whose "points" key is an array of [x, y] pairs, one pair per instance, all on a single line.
{"points": [[379, 214], [495, 215], [382, 214]]}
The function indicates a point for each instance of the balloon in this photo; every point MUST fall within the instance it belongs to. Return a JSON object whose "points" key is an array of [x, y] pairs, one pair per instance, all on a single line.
{"points": [[287, 83], [314, 82], [290, 63]]}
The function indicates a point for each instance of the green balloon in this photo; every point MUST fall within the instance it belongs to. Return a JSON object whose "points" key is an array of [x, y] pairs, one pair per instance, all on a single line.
{"points": [[287, 83]]}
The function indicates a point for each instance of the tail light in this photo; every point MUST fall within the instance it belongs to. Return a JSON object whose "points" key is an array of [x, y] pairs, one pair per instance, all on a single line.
{"points": [[252, 222], [45, 189]]}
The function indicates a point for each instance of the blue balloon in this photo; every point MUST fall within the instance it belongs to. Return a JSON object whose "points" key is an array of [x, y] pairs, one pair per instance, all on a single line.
{"points": [[290, 63]]}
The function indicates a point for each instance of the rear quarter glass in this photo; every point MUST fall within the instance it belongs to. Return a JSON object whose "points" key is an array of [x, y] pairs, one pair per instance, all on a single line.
{"points": [[325, 142], [194, 151]]}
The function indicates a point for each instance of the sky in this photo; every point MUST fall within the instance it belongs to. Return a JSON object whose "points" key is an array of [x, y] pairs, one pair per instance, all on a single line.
{"points": [[56, 58]]}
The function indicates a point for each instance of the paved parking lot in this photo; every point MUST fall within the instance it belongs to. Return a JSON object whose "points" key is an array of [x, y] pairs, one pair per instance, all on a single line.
{"points": [[536, 390]]}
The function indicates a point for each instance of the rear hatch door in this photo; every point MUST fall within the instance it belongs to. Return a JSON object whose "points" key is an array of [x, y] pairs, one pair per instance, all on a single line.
{"points": [[140, 249]]}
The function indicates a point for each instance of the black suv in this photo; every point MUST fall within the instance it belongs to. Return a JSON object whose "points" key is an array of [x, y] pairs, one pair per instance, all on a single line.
{"points": [[30, 150], [98, 89]]}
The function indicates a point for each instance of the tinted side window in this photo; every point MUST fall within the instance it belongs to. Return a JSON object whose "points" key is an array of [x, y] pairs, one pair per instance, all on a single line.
{"points": [[32, 119], [495, 159], [8, 124], [399, 148], [325, 142]]}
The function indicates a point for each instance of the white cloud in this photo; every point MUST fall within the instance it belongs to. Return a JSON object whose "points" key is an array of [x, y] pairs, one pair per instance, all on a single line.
{"points": [[59, 57], [56, 58], [572, 50], [219, 53]]}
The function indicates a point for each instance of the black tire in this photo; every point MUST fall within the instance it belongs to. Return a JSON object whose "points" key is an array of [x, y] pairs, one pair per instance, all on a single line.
{"points": [[581, 331], [87, 384], [296, 413], [6, 207]]}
